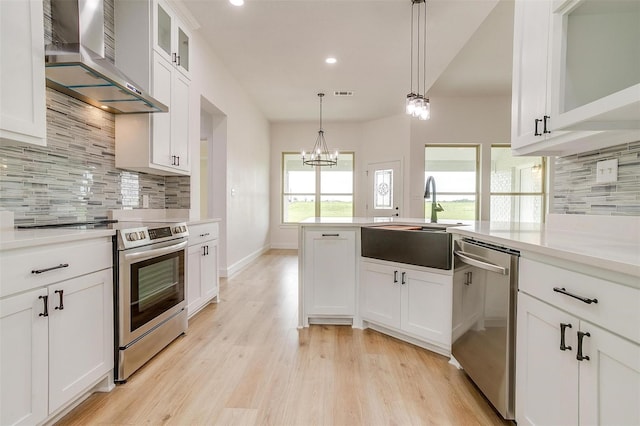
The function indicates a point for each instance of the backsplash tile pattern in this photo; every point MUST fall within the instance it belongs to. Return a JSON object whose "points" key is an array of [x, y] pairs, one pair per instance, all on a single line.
{"points": [[576, 190], [74, 176]]}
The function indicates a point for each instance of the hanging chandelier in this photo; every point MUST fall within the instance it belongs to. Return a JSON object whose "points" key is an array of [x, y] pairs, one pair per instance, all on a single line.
{"points": [[417, 103], [320, 155]]}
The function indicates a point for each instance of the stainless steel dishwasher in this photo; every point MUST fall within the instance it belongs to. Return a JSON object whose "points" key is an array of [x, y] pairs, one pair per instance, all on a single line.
{"points": [[484, 316]]}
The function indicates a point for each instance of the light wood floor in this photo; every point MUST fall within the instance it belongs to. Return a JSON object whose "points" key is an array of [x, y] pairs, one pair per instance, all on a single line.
{"points": [[244, 362]]}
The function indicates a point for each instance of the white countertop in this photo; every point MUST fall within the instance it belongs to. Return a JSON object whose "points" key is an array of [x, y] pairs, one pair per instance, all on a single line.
{"points": [[21, 238], [611, 243]]}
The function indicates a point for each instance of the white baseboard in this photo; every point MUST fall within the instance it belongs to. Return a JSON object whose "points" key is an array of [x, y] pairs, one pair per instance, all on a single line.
{"points": [[285, 246], [244, 262]]}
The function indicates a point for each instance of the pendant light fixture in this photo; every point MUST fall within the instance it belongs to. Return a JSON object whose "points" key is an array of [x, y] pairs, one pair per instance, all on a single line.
{"points": [[320, 155], [417, 103]]}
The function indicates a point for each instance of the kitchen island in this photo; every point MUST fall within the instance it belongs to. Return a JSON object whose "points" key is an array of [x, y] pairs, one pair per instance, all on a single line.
{"points": [[578, 305]]}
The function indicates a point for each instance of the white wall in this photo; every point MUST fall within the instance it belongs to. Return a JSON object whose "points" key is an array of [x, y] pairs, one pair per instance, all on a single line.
{"points": [[294, 137], [247, 221], [482, 121]]}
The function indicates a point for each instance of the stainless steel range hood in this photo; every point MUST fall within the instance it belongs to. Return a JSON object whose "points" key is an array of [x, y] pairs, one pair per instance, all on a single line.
{"points": [[75, 62]]}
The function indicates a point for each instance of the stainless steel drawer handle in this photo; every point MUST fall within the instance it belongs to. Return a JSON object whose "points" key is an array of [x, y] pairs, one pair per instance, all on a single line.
{"points": [[564, 291], [474, 260], [60, 266]]}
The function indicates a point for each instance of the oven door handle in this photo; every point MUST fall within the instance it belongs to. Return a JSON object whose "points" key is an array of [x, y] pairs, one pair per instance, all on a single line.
{"points": [[131, 257], [479, 262]]}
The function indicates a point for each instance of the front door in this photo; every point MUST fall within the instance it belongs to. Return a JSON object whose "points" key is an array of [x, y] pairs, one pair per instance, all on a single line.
{"points": [[385, 189]]}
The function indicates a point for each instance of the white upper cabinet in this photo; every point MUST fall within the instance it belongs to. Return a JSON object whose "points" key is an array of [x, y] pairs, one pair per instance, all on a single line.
{"points": [[596, 53], [550, 111], [147, 49], [22, 92], [171, 38]]}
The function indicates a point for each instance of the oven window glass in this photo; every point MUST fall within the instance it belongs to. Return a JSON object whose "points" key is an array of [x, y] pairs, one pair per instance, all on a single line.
{"points": [[156, 286]]}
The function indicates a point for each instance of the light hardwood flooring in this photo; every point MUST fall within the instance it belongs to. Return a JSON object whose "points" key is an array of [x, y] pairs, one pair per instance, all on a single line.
{"points": [[244, 362]]}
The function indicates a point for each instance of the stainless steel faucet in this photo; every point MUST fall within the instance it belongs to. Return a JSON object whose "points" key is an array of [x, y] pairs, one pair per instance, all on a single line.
{"points": [[435, 207]]}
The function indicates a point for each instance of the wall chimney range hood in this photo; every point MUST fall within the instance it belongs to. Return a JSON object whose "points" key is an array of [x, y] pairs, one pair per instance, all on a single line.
{"points": [[75, 62]]}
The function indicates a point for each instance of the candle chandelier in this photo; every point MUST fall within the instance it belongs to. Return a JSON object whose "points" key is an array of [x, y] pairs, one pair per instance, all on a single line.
{"points": [[417, 103], [320, 155]]}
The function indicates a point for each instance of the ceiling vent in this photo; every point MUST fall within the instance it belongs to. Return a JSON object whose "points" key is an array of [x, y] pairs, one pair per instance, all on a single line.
{"points": [[343, 93]]}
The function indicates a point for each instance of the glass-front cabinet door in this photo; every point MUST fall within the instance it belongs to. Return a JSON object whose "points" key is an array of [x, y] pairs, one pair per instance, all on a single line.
{"points": [[596, 64], [163, 31], [171, 37], [183, 50]]}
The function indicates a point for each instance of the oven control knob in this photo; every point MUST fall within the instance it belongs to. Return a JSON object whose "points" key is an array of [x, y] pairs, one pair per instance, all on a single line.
{"points": [[132, 236], [179, 229], [141, 235]]}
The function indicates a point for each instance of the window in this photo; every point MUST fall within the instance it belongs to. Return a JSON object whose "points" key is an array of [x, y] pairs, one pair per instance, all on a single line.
{"points": [[316, 191], [517, 186], [455, 170]]}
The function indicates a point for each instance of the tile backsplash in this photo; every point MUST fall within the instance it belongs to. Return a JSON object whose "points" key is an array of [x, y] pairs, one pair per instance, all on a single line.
{"points": [[74, 177], [577, 192]]}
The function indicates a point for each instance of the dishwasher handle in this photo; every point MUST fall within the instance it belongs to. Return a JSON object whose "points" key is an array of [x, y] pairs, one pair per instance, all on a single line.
{"points": [[473, 260]]}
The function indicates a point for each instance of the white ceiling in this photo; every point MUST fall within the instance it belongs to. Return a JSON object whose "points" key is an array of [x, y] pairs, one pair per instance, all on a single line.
{"points": [[276, 50]]}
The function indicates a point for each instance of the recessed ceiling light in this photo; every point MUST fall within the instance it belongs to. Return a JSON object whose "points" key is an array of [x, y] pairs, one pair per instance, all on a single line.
{"points": [[236, 2], [331, 60]]}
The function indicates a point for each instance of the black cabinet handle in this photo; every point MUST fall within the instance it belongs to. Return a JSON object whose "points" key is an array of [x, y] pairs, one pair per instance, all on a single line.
{"points": [[535, 131], [178, 60], [60, 266], [579, 356], [207, 247], [204, 235], [564, 291], [404, 276], [204, 250], [330, 235], [544, 129], [61, 301], [563, 347], [174, 57], [45, 302], [178, 157], [395, 277]]}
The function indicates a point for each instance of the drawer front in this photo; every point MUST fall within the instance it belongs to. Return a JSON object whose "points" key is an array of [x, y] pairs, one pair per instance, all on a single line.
{"points": [[203, 232], [617, 308], [28, 268]]}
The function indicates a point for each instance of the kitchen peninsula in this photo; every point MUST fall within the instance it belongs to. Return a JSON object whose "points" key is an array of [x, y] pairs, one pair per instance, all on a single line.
{"points": [[579, 284]]}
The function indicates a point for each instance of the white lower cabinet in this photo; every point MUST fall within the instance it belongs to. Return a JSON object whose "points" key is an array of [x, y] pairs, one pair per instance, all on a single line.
{"points": [[329, 274], [56, 334], [570, 370], [410, 300], [202, 267]]}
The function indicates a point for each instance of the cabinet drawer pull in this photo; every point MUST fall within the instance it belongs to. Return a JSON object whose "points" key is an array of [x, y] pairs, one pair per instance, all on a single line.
{"points": [[404, 278], [579, 356], [564, 291], [395, 277], [45, 302], [60, 266], [535, 131], [563, 347], [178, 60], [330, 235], [61, 302], [204, 235], [174, 57]]}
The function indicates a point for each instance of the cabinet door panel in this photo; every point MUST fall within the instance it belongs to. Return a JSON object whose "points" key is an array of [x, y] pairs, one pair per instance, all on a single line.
{"points": [[180, 120], [546, 377], [22, 92], [330, 264], [426, 306], [161, 148], [609, 380], [194, 278], [380, 295], [80, 335], [23, 359], [210, 279]]}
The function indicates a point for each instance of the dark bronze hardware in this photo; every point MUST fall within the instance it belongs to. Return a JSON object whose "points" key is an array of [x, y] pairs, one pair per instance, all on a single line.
{"points": [[45, 301], [544, 129], [579, 356], [395, 277], [60, 266], [61, 302], [404, 278], [330, 235], [535, 131], [564, 291], [563, 347]]}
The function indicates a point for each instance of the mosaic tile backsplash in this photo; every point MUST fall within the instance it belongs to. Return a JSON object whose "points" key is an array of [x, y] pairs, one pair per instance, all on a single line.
{"points": [[74, 176], [576, 190]]}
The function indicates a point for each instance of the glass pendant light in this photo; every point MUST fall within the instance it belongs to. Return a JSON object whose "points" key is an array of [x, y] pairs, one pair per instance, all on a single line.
{"points": [[416, 104]]}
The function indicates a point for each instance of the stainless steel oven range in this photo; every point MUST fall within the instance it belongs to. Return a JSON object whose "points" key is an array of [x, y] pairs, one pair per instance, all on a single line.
{"points": [[150, 308]]}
